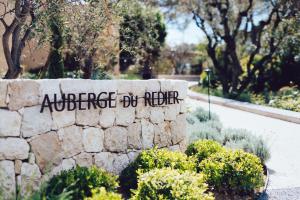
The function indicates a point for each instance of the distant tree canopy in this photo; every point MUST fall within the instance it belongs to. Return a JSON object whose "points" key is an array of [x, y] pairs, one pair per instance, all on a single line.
{"points": [[142, 34], [234, 28]]}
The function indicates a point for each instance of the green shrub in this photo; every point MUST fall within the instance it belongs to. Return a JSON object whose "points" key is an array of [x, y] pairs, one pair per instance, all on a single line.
{"points": [[233, 171], [168, 184], [151, 159], [203, 115], [210, 130], [102, 194], [203, 149], [245, 140], [81, 181]]}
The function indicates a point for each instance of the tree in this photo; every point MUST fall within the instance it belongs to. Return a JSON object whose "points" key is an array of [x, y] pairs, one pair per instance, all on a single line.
{"points": [[231, 24], [55, 63], [19, 29], [142, 34]]}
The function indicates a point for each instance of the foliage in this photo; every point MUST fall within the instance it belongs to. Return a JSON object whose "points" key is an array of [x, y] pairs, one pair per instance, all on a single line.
{"points": [[288, 101], [81, 181], [102, 194], [169, 184], [41, 194], [142, 34], [233, 171], [203, 149], [151, 159], [55, 60], [245, 140], [232, 138], [203, 115]]}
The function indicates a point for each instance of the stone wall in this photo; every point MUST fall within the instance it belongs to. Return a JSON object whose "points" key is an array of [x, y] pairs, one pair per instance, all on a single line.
{"points": [[35, 146]]}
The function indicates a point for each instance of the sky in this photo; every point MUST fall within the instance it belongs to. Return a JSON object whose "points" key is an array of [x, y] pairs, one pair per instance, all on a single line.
{"points": [[191, 35]]}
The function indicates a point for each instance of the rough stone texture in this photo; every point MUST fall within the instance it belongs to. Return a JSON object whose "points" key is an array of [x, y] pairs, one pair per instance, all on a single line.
{"points": [[34, 122], [30, 179], [7, 180], [49, 87], [76, 86], [18, 165], [87, 117], [107, 117], [10, 123], [115, 139], [84, 159], [157, 115], [135, 136], [125, 116], [93, 139], [178, 129], [107, 137], [133, 155], [68, 164], [31, 158], [71, 140], [23, 93], [105, 160], [3, 93], [163, 135], [63, 119], [171, 112], [13, 149], [120, 162], [142, 111], [147, 134], [47, 149]]}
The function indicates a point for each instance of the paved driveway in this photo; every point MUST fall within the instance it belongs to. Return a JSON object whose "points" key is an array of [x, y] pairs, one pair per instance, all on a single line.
{"points": [[283, 139]]}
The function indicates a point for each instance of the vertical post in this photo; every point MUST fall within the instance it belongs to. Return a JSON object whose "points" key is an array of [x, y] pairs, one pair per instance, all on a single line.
{"points": [[208, 71]]}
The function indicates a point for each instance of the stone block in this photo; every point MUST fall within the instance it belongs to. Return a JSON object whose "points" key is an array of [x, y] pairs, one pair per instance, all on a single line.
{"points": [[178, 129], [105, 161], [30, 179], [71, 138], [13, 149], [107, 117], [47, 149], [23, 93], [125, 116], [49, 87], [120, 162], [171, 112], [63, 119], [84, 159], [87, 117], [34, 122], [163, 135], [10, 123], [3, 92], [157, 114], [93, 139], [7, 180], [135, 136], [147, 134], [115, 139]]}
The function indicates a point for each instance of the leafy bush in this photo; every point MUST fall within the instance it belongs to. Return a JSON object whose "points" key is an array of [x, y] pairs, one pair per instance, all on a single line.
{"points": [[233, 171], [245, 140], [151, 159], [203, 149], [170, 184], [207, 130], [203, 115], [81, 181], [231, 138], [102, 194]]}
